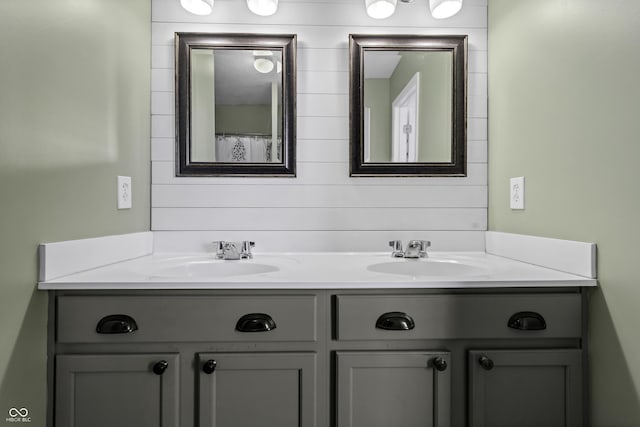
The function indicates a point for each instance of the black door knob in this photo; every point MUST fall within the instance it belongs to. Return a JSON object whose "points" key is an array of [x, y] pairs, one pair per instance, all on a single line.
{"points": [[440, 364], [209, 366], [160, 367], [486, 363]]}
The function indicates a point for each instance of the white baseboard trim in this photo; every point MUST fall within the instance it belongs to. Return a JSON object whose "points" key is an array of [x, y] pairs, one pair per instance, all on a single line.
{"points": [[563, 255], [73, 256]]}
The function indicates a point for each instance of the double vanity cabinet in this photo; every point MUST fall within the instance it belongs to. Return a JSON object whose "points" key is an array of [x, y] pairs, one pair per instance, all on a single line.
{"points": [[477, 357]]}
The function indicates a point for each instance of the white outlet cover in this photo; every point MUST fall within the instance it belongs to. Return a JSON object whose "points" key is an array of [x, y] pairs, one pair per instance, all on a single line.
{"points": [[124, 192], [516, 193]]}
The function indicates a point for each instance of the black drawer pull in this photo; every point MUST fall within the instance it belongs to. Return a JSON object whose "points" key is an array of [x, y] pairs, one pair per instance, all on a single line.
{"points": [[209, 366], [160, 367], [116, 324], [395, 321], [255, 322], [527, 321]]}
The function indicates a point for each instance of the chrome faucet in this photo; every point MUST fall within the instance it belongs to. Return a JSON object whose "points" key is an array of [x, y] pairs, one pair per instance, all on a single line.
{"points": [[233, 250], [415, 249]]}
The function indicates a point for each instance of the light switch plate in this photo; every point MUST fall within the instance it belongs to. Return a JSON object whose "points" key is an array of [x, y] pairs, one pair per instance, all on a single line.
{"points": [[516, 193], [124, 192]]}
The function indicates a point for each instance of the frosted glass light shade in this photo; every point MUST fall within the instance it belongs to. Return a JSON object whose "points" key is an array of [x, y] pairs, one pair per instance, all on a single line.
{"points": [[263, 7], [198, 7], [380, 9], [441, 9]]}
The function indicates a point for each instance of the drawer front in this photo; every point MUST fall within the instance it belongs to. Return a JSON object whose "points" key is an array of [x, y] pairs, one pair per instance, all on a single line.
{"points": [[186, 319], [457, 316]]}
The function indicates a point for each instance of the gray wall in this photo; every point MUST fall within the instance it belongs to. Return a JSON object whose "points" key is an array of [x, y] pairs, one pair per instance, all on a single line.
{"points": [[74, 114], [378, 100], [436, 71], [564, 109], [243, 119], [203, 114]]}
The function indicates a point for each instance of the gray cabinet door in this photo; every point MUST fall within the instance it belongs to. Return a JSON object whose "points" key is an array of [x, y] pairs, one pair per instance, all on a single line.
{"points": [[525, 388], [110, 390], [399, 389], [257, 389]]}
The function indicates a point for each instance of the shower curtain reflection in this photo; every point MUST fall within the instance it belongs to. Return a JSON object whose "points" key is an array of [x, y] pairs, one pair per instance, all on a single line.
{"points": [[232, 148]]}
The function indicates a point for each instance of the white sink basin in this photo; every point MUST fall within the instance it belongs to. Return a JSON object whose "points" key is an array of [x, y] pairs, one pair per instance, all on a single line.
{"points": [[427, 267], [213, 268]]}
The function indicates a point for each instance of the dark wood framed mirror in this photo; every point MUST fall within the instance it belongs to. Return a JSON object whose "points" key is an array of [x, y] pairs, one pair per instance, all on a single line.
{"points": [[408, 105], [235, 104]]}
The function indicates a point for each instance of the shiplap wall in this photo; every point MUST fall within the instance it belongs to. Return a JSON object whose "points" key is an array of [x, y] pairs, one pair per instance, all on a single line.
{"points": [[322, 209]]}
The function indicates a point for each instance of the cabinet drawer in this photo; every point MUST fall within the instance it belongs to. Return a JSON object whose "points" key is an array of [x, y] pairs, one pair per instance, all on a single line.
{"points": [[186, 319], [457, 316]]}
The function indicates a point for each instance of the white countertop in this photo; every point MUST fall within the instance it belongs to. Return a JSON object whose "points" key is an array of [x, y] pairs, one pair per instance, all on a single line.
{"points": [[327, 270]]}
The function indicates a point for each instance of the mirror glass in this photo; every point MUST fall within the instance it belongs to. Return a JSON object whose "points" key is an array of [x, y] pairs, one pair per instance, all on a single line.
{"points": [[408, 105], [236, 105]]}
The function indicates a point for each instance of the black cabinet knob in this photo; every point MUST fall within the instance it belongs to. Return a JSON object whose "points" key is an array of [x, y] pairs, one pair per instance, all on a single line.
{"points": [[209, 366], [395, 321], [485, 362], [440, 364], [160, 367]]}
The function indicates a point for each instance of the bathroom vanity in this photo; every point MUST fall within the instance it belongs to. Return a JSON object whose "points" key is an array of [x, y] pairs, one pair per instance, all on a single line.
{"points": [[325, 340]]}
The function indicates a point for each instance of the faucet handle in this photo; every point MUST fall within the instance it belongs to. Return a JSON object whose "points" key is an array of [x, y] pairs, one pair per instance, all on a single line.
{"points": [[397, 248], [219, 246], [424, 244], [246, 249], [396, 244]]}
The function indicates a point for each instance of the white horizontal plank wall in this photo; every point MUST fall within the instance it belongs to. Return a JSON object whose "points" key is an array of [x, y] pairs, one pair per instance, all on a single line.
{"points": [[322, 208]]}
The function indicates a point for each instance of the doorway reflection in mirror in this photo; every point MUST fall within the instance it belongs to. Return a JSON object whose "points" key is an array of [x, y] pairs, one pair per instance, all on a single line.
{"points": [[408, 106]]}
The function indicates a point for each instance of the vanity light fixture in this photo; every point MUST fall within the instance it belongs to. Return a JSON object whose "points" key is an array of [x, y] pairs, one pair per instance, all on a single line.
{"points": [[263, 7], [380, 9], [198, 7], [441, 9]]}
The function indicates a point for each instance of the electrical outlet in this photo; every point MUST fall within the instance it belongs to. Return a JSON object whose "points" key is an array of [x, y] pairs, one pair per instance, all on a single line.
{"points": [[124, 192], [516, 197]]}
